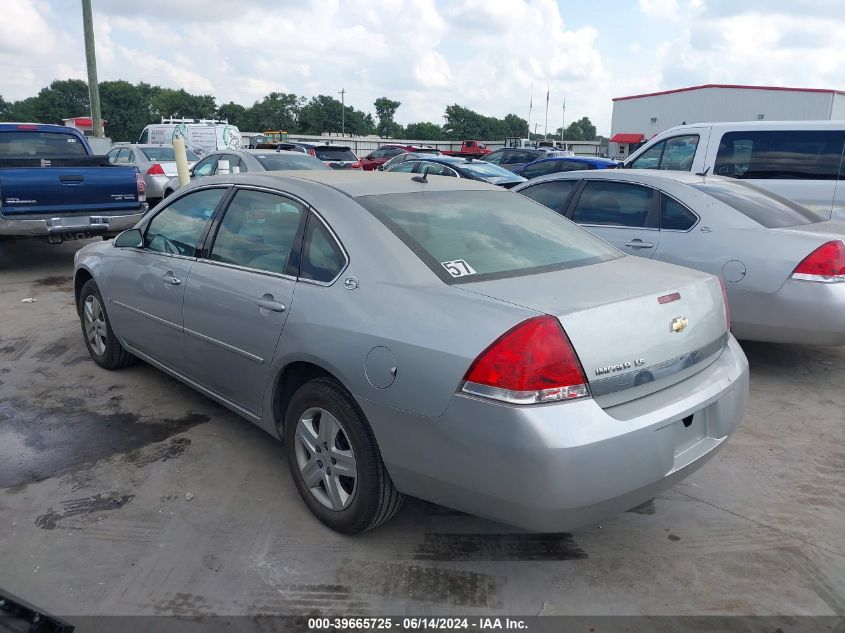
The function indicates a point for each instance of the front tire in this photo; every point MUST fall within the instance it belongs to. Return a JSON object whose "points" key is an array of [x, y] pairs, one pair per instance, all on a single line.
{"points": [[335, 461], [100, 340]]}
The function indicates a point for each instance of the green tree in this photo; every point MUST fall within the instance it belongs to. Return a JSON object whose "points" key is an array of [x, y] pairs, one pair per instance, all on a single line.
{"points": [[580, 130], [181, 104], [424, 131], [324, 114], [385, 111], [63, 98], [232, 112], [276, 111], [126, 108]]}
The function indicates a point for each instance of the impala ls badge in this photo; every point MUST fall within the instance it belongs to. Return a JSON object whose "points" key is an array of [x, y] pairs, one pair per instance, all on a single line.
{"points": [[679, 324]]}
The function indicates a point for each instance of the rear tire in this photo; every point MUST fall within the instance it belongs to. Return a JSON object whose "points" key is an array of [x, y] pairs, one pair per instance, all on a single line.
{"points": [[97, 332], [325, 429]]}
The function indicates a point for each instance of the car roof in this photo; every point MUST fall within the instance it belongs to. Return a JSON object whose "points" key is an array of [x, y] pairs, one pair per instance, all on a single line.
{"points": [[265, 152], [644, 176], [580, 159], [354, 183]]}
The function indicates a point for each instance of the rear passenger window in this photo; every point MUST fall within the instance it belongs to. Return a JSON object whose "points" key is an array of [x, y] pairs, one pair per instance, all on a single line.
{"points": [[258, 231], [613, 203], [674, 216], [805, 155], [322, 259], [554, 194]]}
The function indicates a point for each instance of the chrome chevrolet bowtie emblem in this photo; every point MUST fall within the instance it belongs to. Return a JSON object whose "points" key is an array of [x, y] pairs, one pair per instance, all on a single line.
{"points": [[679, 324]]}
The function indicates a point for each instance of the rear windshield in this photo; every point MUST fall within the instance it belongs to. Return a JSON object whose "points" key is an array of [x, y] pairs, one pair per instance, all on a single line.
{"points": [[335, 153], [40, 144], [165, 153], [762, 206], [276, 162], [427, 150], [487, 170], [466, 236]]}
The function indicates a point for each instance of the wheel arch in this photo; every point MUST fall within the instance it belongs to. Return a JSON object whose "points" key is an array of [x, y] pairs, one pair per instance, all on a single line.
{"points": [[80, 278], [289, 379]]}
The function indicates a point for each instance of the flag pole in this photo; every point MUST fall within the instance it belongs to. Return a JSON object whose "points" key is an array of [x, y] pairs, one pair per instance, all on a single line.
{"points": [[546, 131]]}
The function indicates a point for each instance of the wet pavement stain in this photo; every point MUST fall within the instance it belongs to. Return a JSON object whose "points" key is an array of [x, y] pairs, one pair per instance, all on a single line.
{"points": [[644, 508], [499, 547], [79, 507], [53, 281], [39, 443], [423, 583]]}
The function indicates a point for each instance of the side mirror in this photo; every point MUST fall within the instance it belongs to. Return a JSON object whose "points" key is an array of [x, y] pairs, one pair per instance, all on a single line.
{"points": [[131, 238]]}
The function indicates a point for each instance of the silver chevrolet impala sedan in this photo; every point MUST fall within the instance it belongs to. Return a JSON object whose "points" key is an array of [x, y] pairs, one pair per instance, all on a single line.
{"points": [[427, 336]]}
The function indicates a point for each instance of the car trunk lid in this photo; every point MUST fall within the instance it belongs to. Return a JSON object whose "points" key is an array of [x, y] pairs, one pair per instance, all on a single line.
{"points": [[637, 326]]}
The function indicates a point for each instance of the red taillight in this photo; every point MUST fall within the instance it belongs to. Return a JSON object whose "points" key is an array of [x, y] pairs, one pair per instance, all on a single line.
{"points": [[727, 305], [826, 263], [530, 363], [140, 186], [312, 152], [155, 170], [356, 165]]}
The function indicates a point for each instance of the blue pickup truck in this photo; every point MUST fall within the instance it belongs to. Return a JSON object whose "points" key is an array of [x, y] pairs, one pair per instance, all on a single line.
{"points": [[53, 186]]}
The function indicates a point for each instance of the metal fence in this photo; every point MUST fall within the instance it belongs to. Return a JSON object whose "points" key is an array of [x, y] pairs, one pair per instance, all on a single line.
{"points": [[363, 145]]}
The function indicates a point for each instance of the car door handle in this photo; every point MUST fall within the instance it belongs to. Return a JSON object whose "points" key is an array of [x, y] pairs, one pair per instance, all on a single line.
{"points": [[170, 278], [72, 179], [267, 302], [637, 243]]}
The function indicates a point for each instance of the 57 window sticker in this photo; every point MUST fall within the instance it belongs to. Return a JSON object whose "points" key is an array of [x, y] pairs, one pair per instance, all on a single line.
{"points": [[458, 268]]}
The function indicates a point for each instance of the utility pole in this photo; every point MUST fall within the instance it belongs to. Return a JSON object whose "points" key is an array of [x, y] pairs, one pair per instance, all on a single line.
{"points": [[342, 94], [91, 60]]}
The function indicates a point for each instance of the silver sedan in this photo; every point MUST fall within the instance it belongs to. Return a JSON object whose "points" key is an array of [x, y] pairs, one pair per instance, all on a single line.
{"points": [[440, 337], [241, 161], [783, 265], [157, 164]]}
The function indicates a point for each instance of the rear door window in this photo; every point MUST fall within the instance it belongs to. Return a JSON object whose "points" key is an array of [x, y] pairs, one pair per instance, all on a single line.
{"points": [[436, 169], [466, 236], [258, 231], [614, 204], [554, 194], [800, 154]]}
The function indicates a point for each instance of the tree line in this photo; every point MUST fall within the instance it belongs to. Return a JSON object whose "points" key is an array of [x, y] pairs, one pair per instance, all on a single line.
{"points": [[128, 107]]}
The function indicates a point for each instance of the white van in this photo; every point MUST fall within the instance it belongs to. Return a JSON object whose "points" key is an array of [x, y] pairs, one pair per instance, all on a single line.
{"points": [[200, 135], [801, 160]]}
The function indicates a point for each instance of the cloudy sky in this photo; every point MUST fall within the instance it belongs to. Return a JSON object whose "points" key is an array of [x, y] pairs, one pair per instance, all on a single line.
{"points": [[489, 55]]}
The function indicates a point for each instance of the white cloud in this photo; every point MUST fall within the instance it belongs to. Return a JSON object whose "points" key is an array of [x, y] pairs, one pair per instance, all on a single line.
{"points": [[433, 71]]}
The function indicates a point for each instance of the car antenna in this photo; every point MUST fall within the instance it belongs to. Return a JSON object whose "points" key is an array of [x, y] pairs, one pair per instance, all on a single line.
{"points": [[703, 173], [423, 178]]}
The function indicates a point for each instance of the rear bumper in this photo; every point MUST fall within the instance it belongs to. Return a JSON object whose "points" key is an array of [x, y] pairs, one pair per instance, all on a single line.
{"points": [[155, 186], [801, 313], [68, 227], [560, 466]]}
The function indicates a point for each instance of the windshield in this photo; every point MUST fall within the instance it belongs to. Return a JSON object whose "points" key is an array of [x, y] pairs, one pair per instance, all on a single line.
{"points": [[277, 162], [762, 206], [487, 170], [477, 235], [40, 144], [335, 153], [165, 153]]}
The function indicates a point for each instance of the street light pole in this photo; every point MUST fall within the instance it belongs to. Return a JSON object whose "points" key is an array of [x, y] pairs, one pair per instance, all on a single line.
{"points": [[91, 61], [342, 111]]}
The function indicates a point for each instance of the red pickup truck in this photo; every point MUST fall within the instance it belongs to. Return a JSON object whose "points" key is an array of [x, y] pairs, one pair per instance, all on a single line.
{"points": [[470, 149]]}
